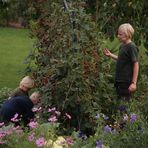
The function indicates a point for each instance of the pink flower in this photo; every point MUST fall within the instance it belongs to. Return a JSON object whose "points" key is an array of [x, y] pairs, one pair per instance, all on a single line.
{"points": [[51, 109], [68, 116], [33, 124], [14, 119], [40, 142], [2, 134], [2, 142], [15, 128], [19, 131], [58, 113], [1, 124], [39, 109], [31, 137], [53, 119], [69, 140], [35, 109], [9, 132]]}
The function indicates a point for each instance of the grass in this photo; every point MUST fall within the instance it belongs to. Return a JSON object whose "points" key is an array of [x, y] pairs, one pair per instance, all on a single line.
{"points": [[15, 45]]}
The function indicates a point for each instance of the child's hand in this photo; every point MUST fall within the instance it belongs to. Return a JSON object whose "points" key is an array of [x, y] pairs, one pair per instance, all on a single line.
{"points": [[107, 52], [132, 87]]}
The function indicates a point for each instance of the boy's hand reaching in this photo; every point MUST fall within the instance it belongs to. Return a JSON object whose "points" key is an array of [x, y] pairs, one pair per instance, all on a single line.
{"points": [[107, 52]]}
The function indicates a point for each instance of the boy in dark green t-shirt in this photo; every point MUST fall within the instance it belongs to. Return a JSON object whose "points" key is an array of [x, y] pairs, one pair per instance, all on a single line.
{"points": [[127, 66]]}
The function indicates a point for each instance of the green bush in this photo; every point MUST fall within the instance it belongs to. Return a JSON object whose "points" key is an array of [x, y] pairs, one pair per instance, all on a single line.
{"points": [[4, 94], [17, 11], [70, 69]]}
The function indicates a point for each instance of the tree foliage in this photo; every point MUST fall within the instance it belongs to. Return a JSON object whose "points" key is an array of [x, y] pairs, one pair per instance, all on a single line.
{"points": [[111, 13], [16, 11]]}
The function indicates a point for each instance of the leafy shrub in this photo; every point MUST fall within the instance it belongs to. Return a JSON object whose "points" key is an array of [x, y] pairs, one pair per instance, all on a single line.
{"points": [[69, 67], [4, 94]]}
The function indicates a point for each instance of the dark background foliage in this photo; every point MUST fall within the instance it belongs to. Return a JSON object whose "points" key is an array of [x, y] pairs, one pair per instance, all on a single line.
{"points": [[109, 14], [112, 13]]}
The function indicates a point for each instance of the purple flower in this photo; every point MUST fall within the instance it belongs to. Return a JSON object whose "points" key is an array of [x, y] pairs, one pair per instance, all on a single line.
{"points": [[107, 129], [82, 135], [40, 142], [105, 117], [122, 108], [99, 144], [133, 117], [122, 125], [97, 116]]}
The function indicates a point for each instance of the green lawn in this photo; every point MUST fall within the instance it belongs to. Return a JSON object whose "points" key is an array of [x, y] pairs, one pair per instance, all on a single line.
{"points": [[15, 45]]}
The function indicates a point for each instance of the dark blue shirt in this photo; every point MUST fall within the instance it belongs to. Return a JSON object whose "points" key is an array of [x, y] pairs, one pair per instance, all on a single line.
{"points": [[21, 105]]}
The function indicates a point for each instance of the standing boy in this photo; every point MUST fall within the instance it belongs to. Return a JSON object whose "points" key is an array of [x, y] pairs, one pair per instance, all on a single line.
{"points": [[127, 66]]}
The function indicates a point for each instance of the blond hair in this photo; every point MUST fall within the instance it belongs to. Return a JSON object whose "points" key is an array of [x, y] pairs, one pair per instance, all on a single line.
{"points": [[35, 97], [127, 29], [27, 81]]}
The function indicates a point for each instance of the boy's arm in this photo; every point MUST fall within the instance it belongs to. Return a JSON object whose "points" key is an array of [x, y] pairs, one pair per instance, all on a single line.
{"points": [[133, 86], [135, 72], [113, 56]]}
